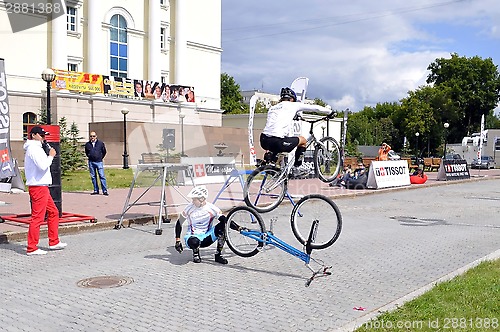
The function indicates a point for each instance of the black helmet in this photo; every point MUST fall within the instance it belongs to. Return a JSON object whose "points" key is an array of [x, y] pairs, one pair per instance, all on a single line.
{"points": [[288, 93]]}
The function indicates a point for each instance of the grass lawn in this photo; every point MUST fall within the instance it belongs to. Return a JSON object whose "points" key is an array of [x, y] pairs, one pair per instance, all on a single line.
{"points": [[469, 302], [80, 180]]}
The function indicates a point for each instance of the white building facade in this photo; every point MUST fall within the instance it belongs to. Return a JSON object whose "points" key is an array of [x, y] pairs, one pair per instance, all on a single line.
{"points": [[169, 42]]}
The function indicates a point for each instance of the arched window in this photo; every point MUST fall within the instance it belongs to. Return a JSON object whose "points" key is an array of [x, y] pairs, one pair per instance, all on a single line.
{"points": [[29, 118], [118, 48]]}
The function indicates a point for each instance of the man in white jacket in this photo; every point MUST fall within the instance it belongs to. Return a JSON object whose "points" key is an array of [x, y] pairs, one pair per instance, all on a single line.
{"points": [[38, 178]]}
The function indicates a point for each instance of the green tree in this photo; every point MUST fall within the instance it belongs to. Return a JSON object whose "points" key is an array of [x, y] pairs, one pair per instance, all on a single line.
{"points": [[474, 87], [231, 100], [72, 151]]}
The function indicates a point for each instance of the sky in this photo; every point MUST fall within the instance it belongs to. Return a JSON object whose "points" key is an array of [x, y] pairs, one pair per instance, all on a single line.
{"points": [[355, 53]]}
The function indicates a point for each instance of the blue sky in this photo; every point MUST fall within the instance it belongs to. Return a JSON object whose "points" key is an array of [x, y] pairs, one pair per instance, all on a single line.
{"points": [[354, 53]]}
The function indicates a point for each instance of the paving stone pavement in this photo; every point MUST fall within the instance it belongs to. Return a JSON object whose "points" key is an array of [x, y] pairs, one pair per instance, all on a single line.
{"points": [[392, 244]]}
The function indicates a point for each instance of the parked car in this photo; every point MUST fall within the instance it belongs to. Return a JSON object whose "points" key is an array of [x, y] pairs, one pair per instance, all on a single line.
{"points": [[393, 155], [453, 156], [487, 162]]}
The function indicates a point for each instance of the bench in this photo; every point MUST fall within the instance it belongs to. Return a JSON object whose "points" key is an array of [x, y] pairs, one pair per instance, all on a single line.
{"points": [[436, 162], [411, 166], [150, 158]]}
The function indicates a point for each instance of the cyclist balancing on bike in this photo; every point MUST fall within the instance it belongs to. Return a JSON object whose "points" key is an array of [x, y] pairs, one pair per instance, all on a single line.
{"points": [[202, 231], [274, 137]]}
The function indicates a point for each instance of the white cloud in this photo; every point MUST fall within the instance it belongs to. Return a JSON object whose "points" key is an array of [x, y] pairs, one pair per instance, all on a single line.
{"points": [[354, 54]]}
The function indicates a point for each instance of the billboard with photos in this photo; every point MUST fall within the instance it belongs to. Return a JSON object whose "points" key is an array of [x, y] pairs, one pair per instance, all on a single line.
{"points": [[122, 86]]}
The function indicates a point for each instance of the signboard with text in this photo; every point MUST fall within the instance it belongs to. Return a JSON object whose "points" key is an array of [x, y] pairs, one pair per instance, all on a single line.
{"points": [[455, 169], [391, 173]]}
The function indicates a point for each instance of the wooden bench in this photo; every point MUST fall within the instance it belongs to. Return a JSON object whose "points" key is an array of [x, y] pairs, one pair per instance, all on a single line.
{"points": [[367, 161], [436, 162], [427, 164], [150, 158], [411, 166], [352, 161]]}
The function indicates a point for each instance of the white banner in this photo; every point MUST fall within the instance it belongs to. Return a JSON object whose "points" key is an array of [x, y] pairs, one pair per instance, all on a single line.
{"points": [[299, 86], [6, 162], [390, 173], [253, 155], [481, 140]]}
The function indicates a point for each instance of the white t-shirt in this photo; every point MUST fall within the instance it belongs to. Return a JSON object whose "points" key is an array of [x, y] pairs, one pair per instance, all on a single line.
{"points": [[201, 219], [280, 117]]}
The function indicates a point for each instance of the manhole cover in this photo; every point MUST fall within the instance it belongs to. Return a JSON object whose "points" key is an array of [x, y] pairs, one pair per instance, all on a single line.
{"points": [[105, 282]]}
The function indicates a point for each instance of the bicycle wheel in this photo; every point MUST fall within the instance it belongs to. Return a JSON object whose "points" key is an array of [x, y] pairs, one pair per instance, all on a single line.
{"points": [[248, 218], [325, 211], [265, 188], [327, 161]]}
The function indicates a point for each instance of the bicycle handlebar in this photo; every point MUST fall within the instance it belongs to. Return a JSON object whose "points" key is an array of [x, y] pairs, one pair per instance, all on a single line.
{"points": [[300, 117]]}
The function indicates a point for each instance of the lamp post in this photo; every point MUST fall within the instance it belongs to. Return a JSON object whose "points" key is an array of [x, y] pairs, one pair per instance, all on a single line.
{"points": [[416, 135], [125, 154], [48, 76], [446, 125], [181, 117]]}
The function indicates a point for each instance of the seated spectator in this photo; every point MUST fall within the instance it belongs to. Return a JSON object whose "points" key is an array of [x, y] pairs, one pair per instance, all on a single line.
{"points": [[342, 178], [360, 170], [418, 177]]}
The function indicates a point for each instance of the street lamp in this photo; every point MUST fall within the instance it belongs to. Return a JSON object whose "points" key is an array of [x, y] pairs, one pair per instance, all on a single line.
{"points": [[446, 125], [181, 117], [48, 76], [416, 135], [125, 154]]}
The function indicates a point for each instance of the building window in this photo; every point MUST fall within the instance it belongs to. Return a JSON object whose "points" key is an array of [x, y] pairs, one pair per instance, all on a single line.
{"points": [[72, 67], [162, 2], [162, 38], [71, 18], [118, 48], [29, 119]]}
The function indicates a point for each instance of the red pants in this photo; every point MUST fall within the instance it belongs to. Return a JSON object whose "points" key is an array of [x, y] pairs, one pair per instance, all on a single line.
{"points": [[41, 202]]}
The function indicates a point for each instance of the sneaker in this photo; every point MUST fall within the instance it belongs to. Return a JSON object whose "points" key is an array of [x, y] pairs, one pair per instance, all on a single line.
{"points": [[95, 193], [58, 246], [220, 259], [196, 256], [300, 171], [105, 193], [36, 252]]}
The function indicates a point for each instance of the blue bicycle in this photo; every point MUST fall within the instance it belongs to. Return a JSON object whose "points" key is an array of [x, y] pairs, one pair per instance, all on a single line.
{"points": [[311, 225]]}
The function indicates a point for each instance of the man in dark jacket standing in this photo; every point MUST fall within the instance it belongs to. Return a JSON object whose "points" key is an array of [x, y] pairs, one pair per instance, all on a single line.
{"points": [[96, 151]]}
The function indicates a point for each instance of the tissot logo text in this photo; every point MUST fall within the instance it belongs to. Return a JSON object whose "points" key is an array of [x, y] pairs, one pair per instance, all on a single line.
{"points": [[388, 171]]}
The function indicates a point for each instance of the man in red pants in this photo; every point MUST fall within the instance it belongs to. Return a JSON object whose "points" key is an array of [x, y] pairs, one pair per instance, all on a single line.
{"points": [[38, 178]]}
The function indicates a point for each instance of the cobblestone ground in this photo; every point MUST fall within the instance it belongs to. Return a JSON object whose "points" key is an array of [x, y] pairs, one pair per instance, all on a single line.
{"points": [[391, 244]]}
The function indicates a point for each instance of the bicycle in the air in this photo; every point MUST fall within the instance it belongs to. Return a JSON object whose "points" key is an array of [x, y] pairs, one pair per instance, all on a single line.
{"points": [[246, 232], [267, 185]]}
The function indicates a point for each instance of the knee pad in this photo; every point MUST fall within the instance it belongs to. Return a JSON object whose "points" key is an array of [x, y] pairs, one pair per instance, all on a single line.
{"points": [[193, 242]]}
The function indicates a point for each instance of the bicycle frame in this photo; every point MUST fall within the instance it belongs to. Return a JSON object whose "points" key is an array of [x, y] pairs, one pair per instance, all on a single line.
{"points": [[268, 238], [285, 171]]}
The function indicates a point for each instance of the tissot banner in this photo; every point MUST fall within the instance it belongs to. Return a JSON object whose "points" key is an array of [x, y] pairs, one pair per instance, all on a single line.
{"points": [[390, 173], [6, 163]]}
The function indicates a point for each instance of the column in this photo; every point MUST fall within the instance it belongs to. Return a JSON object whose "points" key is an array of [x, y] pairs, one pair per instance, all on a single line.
{"points": [[94, 48], [59, 38], [181, 24], [154, 67]]}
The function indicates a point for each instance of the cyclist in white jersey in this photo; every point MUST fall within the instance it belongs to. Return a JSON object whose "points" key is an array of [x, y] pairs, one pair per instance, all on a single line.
{"points": [[279, 123], [206, 225]]}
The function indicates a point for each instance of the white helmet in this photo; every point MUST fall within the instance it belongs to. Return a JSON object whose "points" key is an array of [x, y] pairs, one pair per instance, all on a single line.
{"points": [[198, 192]]}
